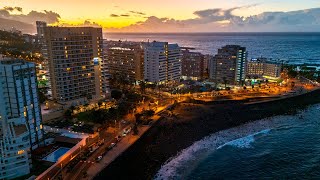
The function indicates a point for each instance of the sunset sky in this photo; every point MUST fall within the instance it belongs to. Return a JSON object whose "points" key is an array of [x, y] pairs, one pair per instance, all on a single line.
{"points": [[142, 15]]}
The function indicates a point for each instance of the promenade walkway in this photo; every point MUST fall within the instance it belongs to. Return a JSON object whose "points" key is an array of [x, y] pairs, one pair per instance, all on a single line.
{"points": [[121, 147]]}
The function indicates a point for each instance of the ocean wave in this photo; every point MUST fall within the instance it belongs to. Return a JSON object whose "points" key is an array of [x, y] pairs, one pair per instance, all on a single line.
{"points": [[241, 137], [244, 142]]}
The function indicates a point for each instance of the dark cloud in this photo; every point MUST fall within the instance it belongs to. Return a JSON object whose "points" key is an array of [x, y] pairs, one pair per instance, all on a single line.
{"points": [[121, 15], [86, 23], [48, 16], [19, 21], [5, 11], [155, 24], [114, 15], [90, 23], [10, 9], [224, 20], [31, 17], [137, 12], [284, 20]]}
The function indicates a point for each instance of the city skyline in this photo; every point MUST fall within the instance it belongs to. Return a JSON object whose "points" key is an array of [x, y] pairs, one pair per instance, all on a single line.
{"points": [[142, 16]]}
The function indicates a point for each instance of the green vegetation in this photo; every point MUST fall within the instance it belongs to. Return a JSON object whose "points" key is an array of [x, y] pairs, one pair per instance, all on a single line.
{"points": [[116, 94], [13, 44], [120, 81], [42, 97], [308, 72], [107, 116], [144, 117]]}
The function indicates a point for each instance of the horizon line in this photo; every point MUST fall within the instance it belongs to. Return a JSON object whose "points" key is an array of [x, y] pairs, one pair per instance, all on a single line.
{"points": [[220, 32]]}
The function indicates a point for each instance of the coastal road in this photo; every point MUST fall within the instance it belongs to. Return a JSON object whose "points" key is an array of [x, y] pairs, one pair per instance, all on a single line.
{"points": [[83, 166], [121, 147]]}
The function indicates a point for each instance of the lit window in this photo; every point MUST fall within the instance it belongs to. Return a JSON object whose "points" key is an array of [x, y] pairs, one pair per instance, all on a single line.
{"points": [[20, 151]]}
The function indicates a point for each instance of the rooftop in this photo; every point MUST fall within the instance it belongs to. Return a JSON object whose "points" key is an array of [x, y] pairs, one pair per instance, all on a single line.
{"points": [[8, 61]]}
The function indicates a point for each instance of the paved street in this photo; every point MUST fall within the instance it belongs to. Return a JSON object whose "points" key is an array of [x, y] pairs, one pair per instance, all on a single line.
{"points": [[122, 146]]}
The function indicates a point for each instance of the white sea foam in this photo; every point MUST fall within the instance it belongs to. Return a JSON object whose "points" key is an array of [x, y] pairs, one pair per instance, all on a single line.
{"points": [[240, 137], [244, 142]]}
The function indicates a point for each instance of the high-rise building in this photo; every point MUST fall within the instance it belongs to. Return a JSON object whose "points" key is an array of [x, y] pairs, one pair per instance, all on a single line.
{"points": [[162, 62], [74, 57], [192, 65], [229, 65], [20, 117], [125, 58], [262, 67], [206, 64]]}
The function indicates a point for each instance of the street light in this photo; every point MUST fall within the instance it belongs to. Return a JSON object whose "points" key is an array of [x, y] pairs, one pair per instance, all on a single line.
{"points": [[61, 171]]}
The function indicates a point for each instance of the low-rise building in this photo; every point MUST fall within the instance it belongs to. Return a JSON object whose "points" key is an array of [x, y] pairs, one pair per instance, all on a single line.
{"points": [[263, 67]]}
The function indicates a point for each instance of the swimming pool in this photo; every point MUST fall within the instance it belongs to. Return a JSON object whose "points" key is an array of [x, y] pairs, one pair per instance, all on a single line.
{"points": [[55, 155], [73, 135]]}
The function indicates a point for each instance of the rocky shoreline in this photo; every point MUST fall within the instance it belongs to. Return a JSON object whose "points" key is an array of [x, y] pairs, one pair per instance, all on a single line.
{"points": [[194, 121]]}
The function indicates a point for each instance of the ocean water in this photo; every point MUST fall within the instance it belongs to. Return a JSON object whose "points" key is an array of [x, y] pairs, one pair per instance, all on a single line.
{"points": [[292, 47], [281, 147]]}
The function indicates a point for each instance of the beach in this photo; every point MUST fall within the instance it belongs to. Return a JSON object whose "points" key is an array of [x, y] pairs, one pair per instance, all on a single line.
{"points": [[193, 122]]}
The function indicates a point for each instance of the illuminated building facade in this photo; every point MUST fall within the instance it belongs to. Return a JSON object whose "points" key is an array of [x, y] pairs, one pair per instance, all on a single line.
{"points": [[272, 69], [74, 59], [255, 68], [206, 64], [20, 117], [162, 62], [125, 58], [229, 65], [192, 65], [262, 67]]}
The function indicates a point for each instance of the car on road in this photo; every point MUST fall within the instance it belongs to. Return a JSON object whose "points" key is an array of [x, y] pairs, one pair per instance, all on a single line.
{"points": [[99, 158], [124, 121], [124, 134], [127, 131], [118, 138], [111, 146]]}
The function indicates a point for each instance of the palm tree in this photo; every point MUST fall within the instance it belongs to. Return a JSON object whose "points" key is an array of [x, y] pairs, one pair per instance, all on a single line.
{"points": [[99, 104], [225, 81], [142, 86]]}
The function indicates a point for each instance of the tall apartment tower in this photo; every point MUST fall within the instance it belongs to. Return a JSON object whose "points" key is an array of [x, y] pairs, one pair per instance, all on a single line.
{"points": [[125, 58], [206, 64], [229, 65], [20, 117], [162, 62], [74, 59], [192, 65], [40, 28]]}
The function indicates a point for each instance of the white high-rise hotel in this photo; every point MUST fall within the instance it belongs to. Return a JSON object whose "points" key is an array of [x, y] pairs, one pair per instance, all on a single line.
{"points": [[162, 62], [20, 117]]}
